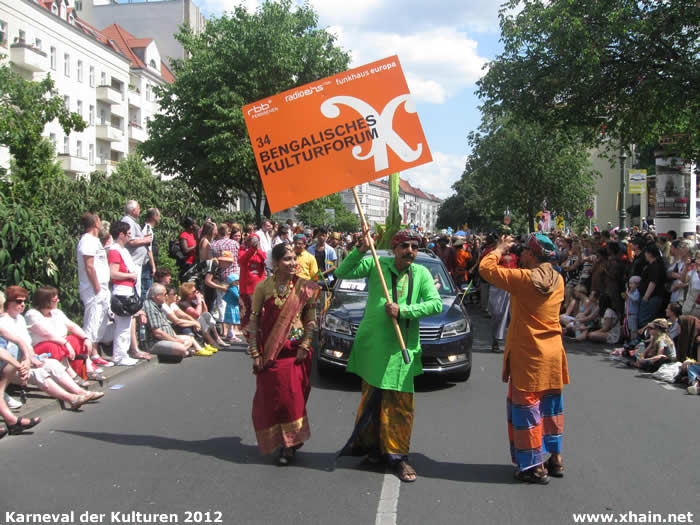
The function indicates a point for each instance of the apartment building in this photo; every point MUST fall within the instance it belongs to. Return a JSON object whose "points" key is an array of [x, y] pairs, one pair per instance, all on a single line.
{"points": [[417, 207], [159, 19], [93, 70]]}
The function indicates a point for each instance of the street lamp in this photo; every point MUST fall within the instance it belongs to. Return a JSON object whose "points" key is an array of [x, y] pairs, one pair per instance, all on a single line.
{"points": [[623, 205]]}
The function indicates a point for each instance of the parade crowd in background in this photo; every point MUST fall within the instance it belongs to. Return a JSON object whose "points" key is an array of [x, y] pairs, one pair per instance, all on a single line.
{"points": [[636, 291]]}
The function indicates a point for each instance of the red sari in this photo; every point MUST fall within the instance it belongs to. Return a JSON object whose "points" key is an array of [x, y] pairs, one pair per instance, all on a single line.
{"points": [[283, 387]]}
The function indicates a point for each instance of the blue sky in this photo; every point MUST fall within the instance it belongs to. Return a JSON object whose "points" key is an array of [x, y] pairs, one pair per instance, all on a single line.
{"points": [[442, 45]]}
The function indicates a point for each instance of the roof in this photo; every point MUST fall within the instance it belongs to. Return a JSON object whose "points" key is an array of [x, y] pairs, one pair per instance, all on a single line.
{"points": [[127, 42]]}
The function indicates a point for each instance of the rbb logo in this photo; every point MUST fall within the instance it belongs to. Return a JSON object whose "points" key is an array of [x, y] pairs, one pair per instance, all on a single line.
{"points": [[259, 109]]}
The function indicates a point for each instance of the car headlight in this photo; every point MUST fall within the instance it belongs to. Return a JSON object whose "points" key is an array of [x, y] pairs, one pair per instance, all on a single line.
{"points": [[456, 328], [336, 324]]}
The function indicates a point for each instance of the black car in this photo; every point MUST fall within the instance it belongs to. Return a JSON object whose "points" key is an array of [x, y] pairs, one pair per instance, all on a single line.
{"points": [[446, 338]]}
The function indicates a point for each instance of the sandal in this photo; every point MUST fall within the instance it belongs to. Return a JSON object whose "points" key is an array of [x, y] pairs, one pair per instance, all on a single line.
{"points": [[20, 427], [79, 400], [95, 395], [556, 470], [529, 476], [82, 383], [405, 472], [286, 456]]}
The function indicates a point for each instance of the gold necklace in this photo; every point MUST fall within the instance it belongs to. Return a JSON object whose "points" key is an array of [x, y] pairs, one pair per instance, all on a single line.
{"points": [[281, 292]]}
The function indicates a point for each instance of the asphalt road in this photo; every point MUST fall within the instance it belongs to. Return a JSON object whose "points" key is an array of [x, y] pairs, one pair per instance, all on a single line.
{"points": [[179, 439]]}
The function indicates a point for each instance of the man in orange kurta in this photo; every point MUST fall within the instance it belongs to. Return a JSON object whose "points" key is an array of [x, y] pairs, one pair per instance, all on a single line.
{"points": [[534, 362]]}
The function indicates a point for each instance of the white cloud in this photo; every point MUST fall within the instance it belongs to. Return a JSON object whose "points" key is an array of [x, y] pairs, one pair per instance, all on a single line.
{"points": [[438, 176], [438, 63]]}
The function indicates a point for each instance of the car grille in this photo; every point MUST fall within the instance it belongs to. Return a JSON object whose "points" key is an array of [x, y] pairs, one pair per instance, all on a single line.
{"points": [[428, 333]]}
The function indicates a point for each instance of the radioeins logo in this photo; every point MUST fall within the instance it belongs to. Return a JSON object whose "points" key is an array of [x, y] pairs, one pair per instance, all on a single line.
{"points": [[262, 109], [303, 93]]}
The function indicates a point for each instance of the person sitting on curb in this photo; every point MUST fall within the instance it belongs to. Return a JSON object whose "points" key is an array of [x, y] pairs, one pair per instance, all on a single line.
{"points": [[160, 336]]}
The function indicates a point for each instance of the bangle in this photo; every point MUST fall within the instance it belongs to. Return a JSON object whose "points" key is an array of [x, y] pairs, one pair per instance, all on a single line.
{"points": [[254, 355]]}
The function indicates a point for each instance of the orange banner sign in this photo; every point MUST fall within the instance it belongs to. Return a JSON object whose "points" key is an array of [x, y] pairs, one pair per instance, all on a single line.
{"points": [[335, 133]]}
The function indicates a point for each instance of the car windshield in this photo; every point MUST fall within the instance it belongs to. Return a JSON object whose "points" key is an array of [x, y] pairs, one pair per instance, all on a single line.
{"points": [[442, 281]]}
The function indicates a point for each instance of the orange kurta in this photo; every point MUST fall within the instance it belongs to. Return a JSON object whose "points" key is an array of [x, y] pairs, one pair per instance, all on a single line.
{"points": [[534, 358]]}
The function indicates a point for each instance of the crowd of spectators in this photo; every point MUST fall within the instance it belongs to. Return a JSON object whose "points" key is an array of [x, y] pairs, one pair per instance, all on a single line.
{"points": [[637, 291]]}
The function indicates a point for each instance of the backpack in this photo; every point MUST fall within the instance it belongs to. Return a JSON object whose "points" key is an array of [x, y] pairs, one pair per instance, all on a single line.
{"points": [[175, 251]]}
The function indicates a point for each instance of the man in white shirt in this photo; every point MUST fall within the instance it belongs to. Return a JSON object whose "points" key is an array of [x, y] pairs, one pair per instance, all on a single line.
{"points": [[93, 278], [138, 242], [265, 236]]}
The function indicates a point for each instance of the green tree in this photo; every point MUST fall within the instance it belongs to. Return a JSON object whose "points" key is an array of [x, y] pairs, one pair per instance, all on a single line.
{"points": [[524, 167], [313, 213], [25, 109], [626, 69], [200, 134]]}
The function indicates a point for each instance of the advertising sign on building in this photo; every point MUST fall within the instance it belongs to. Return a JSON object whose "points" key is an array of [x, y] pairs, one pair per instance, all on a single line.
{"points": [[638, 181], [671, 193], [335, 133]]}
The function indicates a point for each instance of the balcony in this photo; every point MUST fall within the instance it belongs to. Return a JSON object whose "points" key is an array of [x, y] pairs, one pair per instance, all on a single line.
{"points": [[108, 95], [108, 133], [137, 133], [72, 164], [28, 57], [106, 165]]}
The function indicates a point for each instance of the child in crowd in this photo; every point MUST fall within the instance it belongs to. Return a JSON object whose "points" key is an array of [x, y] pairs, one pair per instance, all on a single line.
{"points": [[610, 330], [576, 306], [658, 351], [586, 320], [632, 299], [232, 316]]}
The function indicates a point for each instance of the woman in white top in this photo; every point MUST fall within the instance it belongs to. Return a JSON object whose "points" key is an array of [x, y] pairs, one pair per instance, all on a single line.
{"points": [[47, 374], [692, 280], [610, 329], [54, 334]]}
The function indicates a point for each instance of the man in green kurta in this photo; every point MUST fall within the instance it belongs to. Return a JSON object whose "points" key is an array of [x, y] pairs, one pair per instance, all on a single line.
{"points": [[385, 416]]}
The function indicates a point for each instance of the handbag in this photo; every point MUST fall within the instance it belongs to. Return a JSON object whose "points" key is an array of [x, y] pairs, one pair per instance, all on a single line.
{"points": [[126, 306]]}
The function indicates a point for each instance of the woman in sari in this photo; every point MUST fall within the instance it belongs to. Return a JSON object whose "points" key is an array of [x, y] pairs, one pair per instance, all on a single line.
{"points": [[282, 321]]}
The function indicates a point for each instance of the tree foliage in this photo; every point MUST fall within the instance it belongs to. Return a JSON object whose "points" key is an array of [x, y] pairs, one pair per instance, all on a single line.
{"points": [[626, 69], [38, 237], [200, 134], [523, 167], [313, 213], [25, 109]]}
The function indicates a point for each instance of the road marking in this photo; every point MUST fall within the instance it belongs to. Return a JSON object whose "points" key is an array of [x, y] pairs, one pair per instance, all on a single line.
{"points": [[388, 500]]}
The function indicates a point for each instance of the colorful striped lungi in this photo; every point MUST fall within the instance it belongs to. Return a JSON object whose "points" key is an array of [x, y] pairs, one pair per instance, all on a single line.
{"points": [[383, 425], [535, 425]]}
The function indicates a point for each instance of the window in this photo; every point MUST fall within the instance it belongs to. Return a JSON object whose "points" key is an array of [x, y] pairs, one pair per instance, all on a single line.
{"points": [[52, 139], [91, 115], [102, 117], [80, 108], [103, 79], [78, 5], [80, 70], [66, 64], [79, 147], [66, 145], [66, 101], [92, 76], [3, 33], [152, 63], [53, 58], [37, 43], [148, 92], [22, 36], [91, 154]]}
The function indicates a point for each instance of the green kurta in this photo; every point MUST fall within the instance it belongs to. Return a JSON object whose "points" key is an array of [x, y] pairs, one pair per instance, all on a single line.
{"points": [[376, 355]]}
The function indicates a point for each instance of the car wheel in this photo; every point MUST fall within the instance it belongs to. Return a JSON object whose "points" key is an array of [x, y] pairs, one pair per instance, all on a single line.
{"points": [[462, 376]]}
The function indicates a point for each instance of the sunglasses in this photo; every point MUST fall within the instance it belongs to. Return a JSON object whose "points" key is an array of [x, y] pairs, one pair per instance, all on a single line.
{"points": [[405, 245], [20, 301]]}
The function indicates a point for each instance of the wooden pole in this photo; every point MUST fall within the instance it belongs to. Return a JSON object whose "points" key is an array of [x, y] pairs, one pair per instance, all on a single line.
{"points": [[365, 227]]}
